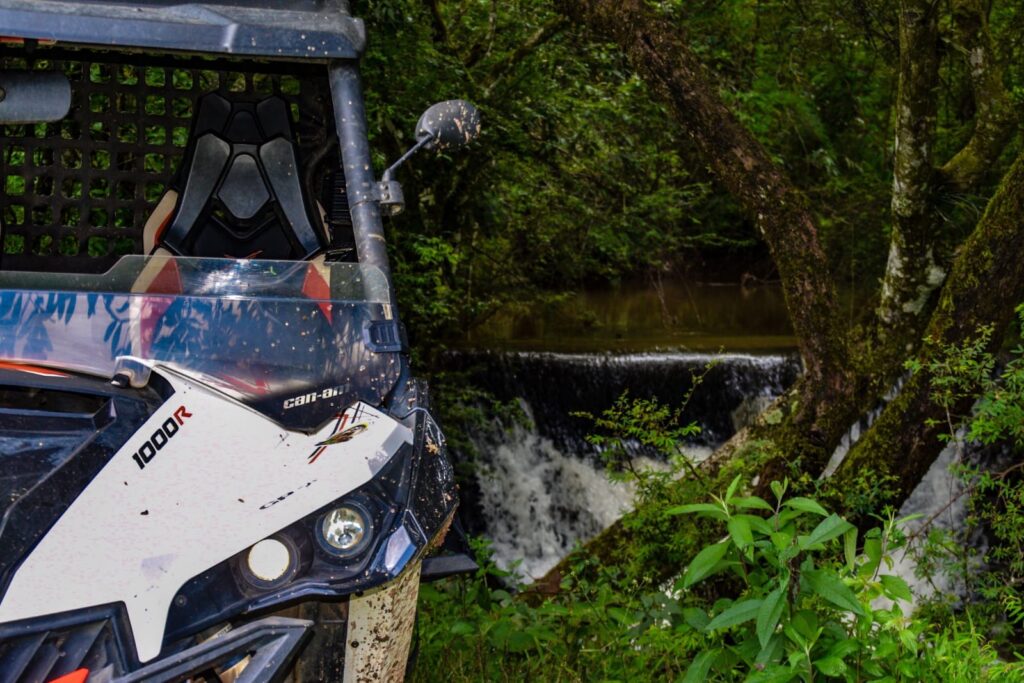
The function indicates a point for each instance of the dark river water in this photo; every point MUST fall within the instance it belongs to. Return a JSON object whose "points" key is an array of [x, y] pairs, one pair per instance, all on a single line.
{"points": [[678, 315]]}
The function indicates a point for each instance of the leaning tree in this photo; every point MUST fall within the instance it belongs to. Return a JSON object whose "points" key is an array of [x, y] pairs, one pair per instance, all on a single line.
{"points": [[940, 284]]}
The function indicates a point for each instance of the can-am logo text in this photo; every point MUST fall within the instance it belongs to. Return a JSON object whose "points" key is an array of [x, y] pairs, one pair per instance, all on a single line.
{"points": [[160, 437]]}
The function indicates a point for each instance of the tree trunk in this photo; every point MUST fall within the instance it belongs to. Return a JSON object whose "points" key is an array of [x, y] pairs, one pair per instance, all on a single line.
{"points": [[914, 270], [842, 383], [994, 119], [657, 50], [985, 285]]}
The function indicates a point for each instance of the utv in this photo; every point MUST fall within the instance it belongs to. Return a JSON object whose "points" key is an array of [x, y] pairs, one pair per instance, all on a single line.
{"points": [[215, 464]]}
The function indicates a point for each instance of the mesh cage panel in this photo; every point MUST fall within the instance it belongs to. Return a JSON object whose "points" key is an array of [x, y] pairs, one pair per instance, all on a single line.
{"points": [[76, 194]]}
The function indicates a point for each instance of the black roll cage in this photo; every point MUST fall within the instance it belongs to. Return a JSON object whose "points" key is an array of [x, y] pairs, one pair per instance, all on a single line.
{"points": [[314, 32]]}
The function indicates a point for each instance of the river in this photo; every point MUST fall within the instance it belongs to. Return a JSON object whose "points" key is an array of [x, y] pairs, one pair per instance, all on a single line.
{"points": [[539, 485]]}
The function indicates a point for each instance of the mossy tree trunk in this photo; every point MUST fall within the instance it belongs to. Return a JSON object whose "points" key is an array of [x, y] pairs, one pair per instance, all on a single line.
{"points": [[914, 270], [986, 283], [844, 379]]}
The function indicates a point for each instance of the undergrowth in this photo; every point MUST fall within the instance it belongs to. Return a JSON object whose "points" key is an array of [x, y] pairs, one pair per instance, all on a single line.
{"points": [[768, 590]]}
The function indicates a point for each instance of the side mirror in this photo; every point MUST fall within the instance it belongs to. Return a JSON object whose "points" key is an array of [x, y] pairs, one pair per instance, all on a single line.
{"points": [[445, 125], [449, 125]]}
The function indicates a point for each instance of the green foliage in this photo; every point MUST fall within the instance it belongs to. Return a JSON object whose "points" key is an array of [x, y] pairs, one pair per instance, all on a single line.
{"points": [[800, 611], [957, 372], [789, 594], [995, 499], [595, 629]]}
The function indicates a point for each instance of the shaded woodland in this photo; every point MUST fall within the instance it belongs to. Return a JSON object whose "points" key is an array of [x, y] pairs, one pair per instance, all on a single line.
{"points": [[828, 145]]}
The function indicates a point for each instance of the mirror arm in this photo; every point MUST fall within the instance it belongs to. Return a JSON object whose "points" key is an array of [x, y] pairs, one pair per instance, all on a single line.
{"points": [[390, 173], [389, 190]]}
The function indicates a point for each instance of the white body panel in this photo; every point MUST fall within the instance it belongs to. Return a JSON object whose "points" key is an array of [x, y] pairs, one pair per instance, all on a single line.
{"points": [[227, 479]]}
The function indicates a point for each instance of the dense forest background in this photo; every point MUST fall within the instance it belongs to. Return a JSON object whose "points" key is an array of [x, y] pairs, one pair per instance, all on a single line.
{"points": [[868, 145], [582, 178]]}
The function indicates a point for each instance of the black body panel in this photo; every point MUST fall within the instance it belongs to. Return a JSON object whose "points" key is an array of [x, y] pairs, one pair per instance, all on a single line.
{"points": [[289, 29]]}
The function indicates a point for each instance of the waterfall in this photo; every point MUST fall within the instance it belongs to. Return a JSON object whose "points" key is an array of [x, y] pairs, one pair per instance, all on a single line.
{"points": [[540, 485]]}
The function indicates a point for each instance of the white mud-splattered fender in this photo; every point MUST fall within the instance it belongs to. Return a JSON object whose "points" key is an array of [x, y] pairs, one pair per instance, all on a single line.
{"points": [[203, 479]]}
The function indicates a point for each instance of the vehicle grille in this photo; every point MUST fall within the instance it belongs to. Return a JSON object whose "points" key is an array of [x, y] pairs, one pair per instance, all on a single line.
{"points": [[45, 655]]}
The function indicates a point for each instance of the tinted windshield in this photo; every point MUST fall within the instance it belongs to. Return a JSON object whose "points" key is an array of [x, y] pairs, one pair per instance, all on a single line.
{"points": [[260, 330]]}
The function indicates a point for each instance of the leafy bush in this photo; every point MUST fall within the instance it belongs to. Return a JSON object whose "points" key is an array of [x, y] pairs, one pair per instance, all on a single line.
{"points": [[811, 602], [801, 613], [991, 578]]}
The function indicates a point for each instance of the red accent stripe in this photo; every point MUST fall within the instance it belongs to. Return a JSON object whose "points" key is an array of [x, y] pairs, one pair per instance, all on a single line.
{"points": [[316, 454], [78, 676], [32, 369], [160, 231], [316, 287]]}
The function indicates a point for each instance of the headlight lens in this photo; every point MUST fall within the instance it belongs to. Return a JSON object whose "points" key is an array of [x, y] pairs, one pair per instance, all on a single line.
{"points": [[271, 563], [345, 530]]}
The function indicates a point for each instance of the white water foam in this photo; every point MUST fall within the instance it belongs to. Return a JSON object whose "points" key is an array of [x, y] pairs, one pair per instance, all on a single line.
{"points": [[767, 361], [540, 502], [941, 499]]}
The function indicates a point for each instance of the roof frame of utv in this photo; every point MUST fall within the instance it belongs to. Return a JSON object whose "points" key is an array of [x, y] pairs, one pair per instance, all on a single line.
{"points": [[317, 33]]}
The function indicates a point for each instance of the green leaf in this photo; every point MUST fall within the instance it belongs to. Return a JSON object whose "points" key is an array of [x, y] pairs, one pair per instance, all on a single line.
{"points": [[775, 674], [700, 666], [781, 539], [806, 505], [696, 617], [738, 613], [757, 524], [708, 509], [850, 547], [873, 549], [739, 530], [830, 666], [909, 640], [753, 503], [518, 641], [844, 648], [896, 588], [829, 528], [462, 628], [779, 489], [769, 614], [620, 615], [731, 491], [806, 624], [705, 563], [825, 583]]}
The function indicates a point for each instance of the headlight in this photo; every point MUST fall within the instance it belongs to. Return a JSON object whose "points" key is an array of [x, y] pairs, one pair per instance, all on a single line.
{"points": [[271, 563], [345, 530]]}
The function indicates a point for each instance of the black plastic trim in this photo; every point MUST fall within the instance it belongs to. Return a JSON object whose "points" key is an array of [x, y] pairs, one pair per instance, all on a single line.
{"points": [[290, 29], [272, 644]]}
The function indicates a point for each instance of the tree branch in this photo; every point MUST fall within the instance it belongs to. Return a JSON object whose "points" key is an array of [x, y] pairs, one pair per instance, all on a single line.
{"points": [[542, 35], [995, 120], [658, 51], [440, 29]]}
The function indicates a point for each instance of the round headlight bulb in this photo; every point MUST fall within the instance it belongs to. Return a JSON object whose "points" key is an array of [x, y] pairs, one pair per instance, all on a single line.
{"points": [[345, 530], [269, 559], [271, 563]]}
